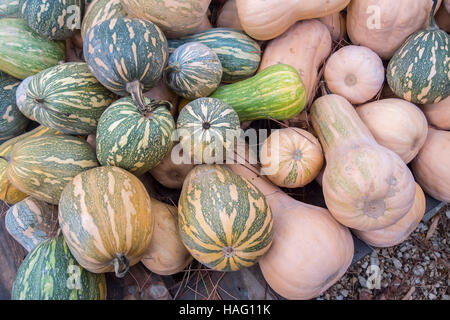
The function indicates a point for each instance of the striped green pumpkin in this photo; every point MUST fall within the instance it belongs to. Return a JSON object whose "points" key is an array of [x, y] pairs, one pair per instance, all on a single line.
{"points": [[12, 121], [106, 217], [23, 52], [9, 9], [193, 71], [31, 222], [101, 10], [126, 55], [224, 220], [419, 71], [207, 128], [277, 92], [50, 272], [67, 98], [42, 166], [239, 54], [55, 19], [131, 140]]}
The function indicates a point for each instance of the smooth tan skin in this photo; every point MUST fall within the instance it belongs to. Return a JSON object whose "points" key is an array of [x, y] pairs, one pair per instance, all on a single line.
{"points": [[438, 114], [336, 24], [228, 16], [162, 92], [397, 125], [431, 167], [305, 46], [443, 17], [267, 19]]}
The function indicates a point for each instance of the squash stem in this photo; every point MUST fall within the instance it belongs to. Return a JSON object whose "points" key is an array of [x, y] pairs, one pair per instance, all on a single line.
{"points": [[135, 89], [121, 265], [433, 25]]}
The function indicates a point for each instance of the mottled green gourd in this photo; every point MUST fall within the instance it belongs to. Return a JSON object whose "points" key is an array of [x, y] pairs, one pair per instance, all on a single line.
{"points": [[127, 56], [12, 121], [23, 52], [133, 140], [9, 9], [42, 166], [419, 71], [101, 10], [55, 19], [193, 71], [31, 222], [67, 98], [207, 128], [224, 220], [239, 54], [277, 92], [50, 272]]}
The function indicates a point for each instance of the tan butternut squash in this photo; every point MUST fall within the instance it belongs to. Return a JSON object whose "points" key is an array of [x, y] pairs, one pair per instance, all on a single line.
{"points": [[267, 19], [228, 16], [366, 186], [336, 24], [438, 114]]}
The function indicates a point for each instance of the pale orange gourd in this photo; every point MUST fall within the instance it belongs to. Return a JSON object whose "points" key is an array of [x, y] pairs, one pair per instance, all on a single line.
{"points": [[438, 114], [366, 186], [228, 16], [336, 24]]}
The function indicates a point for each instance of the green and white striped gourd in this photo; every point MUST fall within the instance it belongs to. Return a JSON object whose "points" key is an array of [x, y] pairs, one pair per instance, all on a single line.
{"points": [[133, 140], [239, 54], [419, 71], [9, 9], [31, 222], [23, 52], [55, 19], [12, 121], [67, 98], [42, 166], [50, 272], [207, 129]]}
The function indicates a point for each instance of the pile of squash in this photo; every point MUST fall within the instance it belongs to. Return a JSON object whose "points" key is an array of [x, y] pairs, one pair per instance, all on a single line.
{"points": [[96, 95]]}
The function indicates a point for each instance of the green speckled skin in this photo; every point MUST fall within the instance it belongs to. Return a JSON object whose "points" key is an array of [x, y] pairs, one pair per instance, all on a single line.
{"points": [[50, 272], [9, 9], [101, 10]]}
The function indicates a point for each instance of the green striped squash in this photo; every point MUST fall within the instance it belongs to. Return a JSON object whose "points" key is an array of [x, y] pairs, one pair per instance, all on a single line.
{"points": [[106, 217], [419, 71], [99, 11], [67, 98], [193, 71], [224, 220], [31, 222], [277, 92], [53, 20], [133, 140], [23, 52], [42, 166], [21, 94], [50, 272], [9, 9], [126, 55], [207, 128], [12, 121], [239, 54]]}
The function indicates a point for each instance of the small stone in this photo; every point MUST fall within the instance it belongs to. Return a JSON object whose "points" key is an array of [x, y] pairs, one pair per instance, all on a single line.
{"points": [[406, 268], [344, 293], [419, 270], [403, 249], [399, 255], [362, 282], [364, 265], [447, 213], [339, 297], [437, 254], [445, 297], [432, 296], [397, 263], [417, 281], [407, 256]]}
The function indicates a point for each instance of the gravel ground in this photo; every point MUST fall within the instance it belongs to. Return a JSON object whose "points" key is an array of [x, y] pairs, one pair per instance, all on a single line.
{"points": [[417, 269]]}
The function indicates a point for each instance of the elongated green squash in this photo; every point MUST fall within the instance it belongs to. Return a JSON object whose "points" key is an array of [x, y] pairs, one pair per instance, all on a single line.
{"points": [[277, 92], [42, 166], [31, 222], [9, 9], [23, 52], [99, 11], [67, 98], [50, 272], [239, 54]]}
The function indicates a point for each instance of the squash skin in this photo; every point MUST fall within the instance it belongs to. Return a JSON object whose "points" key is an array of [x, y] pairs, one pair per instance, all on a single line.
{"points": [[45, 274], [228, 16], [21, 94], [438, 114], [239, 54], [399, 231], [31, 222], [130, 140], [42, 166], [431, 166], [224, 220], [276, 92], [39, 54], [397, 125], [67, 98], [9, 9], [118, 209], [336, 24], [366, 186]]}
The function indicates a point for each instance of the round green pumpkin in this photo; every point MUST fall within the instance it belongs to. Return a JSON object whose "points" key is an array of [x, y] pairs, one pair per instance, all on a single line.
{"points": [[126, 55], [50, 272], [132, 140], [67, 98], [12, 121], [193, 71], [207, 128], [224, 220], [419, 71]]}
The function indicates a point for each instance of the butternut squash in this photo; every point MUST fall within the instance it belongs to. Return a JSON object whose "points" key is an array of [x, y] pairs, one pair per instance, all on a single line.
{"points": [[438, 114], [336, 24]]}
